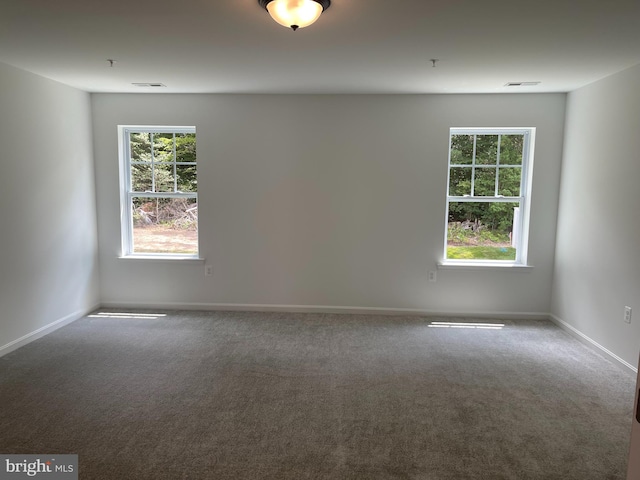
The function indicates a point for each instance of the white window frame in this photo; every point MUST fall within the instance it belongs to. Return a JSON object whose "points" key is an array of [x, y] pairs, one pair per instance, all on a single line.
{"points": [[524, 200], [127, 195]]}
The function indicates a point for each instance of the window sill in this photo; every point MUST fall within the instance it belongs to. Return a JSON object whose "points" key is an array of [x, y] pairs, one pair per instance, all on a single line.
{"points": [[513, 267], [161, 258]]}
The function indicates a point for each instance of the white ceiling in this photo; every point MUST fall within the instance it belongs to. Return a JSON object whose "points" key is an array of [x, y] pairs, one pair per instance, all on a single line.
{"points": [[357, 46]]}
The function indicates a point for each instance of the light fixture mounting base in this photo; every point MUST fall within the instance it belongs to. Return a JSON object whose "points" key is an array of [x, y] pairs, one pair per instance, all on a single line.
{"points": [[325, 3]]}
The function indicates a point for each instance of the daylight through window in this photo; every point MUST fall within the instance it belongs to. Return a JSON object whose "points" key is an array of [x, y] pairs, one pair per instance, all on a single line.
{"points": [[487, 201], [159, 191]]}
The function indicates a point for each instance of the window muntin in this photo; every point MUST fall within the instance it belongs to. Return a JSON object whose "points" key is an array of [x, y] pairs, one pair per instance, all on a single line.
{"points": [[159, 191], [487, 197]]}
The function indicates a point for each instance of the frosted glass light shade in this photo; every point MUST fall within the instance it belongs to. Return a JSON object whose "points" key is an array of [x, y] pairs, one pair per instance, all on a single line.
{"points": [[295, 13]]}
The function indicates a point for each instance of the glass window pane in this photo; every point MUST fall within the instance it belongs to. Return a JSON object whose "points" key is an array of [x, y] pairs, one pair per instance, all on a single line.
{"points": [[509, 182], [165, 225], [481, 231], [141, 178], [186, 147], [511, 149], [485, 182], [163, 147], [165, 181], [140, 145], [461, 149], [460, 181], [187, 179], [486, 149]]}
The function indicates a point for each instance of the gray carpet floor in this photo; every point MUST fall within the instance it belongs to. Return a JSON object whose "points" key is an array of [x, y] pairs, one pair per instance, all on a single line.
{"points": [[234, 395]]}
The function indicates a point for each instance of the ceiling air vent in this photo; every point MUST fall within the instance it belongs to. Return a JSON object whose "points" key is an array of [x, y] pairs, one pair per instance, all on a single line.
{"points": [[521, 84], [155, 84]]}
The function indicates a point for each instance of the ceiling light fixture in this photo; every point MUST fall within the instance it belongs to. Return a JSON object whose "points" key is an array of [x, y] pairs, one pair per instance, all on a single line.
{"points": [[295, 14]]}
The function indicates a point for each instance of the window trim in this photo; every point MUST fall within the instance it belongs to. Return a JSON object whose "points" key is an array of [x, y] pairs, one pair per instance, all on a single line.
{"points": [[524, 200], [126, 194]]}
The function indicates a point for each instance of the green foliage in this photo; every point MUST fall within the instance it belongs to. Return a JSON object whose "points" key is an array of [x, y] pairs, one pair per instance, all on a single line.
{"points": [[479, 168], [462, 149], [481, 253], [509, 181], [152, 157], [164, 163], [511, 149], [461, 234], [474, 241], [496, 216]]}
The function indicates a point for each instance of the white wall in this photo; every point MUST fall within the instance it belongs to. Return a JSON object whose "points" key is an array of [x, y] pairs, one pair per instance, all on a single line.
{"points": [[597, 266], [327, 200], [48, 244]]}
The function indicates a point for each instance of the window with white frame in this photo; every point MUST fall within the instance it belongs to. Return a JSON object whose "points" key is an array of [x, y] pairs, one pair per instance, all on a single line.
{"points": [[488, 195], [159, 191]]}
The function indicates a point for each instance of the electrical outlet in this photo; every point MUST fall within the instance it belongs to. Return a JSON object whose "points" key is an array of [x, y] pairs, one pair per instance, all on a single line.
{"points": [[432, 276], [208, 270], [627, 314]]}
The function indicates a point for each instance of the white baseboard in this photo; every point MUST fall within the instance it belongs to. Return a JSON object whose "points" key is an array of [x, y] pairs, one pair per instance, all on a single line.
{"points": [[41, 332], [592, 343], [252, 307]]}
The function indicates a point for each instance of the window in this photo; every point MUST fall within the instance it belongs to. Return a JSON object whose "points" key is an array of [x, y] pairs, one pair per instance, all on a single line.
{"points": [[159, 191], [488, 195]]}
